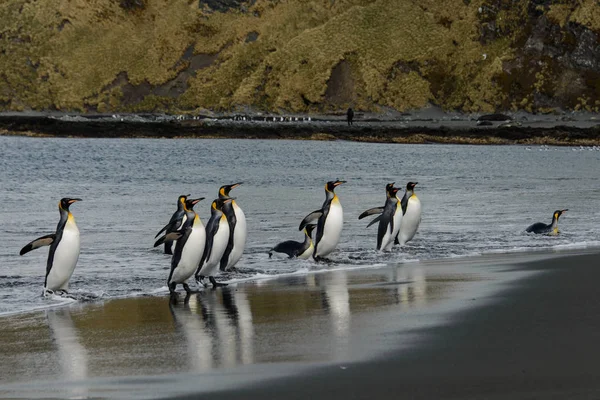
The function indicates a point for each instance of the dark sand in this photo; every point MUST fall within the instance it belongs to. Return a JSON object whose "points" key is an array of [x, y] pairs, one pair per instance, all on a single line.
{"points": [[507, 326]]}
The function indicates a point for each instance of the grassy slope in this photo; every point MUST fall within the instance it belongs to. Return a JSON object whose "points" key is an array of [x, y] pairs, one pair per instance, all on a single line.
{"points": [[65, 54]]}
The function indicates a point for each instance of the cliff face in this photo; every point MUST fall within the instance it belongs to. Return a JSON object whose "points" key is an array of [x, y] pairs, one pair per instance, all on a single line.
{"points": [[300, 55]]}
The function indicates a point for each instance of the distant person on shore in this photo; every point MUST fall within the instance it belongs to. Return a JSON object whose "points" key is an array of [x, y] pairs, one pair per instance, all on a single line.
{"points": [[350, 115]]}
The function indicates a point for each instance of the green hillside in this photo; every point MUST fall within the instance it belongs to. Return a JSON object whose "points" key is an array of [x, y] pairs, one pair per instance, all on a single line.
{"points": [[299, 56]]}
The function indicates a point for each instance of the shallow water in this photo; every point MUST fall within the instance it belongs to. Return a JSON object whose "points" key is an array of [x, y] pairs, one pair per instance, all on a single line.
{"points": [[476, 200]]}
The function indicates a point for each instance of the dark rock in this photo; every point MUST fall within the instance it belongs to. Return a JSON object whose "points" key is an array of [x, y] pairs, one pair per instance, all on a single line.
{"points": [[225, 5], [494, 117]]}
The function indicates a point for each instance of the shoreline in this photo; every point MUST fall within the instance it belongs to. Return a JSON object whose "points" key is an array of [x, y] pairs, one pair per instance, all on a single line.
{"points": [[289, 334], [584, 131]]}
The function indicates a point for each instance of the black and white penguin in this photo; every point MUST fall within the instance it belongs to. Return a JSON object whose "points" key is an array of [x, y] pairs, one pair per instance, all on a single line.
{"points": [[390, 219], [174, 225], [330, 221], [237, 229], [191, 240], [217, 237], [301, 250], [411, 215], [548, 229], [64, 249]]}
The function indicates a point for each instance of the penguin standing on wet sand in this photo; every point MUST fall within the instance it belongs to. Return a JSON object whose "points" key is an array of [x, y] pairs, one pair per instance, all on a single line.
{"points": [[302, 250], [411, 215], [330, 221], [390, 219], [175, 224], [548, 229], [188, 251], [217, 237], [64, 249], [237, 229]]}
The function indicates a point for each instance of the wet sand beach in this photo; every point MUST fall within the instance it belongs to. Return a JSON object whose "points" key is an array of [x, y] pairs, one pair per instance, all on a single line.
{"points": [[499, 326]]}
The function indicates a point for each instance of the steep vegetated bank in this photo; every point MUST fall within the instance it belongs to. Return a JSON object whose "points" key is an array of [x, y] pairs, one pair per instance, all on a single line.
{"points": [[306, 56]]}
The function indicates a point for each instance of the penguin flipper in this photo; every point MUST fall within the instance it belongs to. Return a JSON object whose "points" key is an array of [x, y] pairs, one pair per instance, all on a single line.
{"points": [[310, 217], [374, 221], [39, 242], [371, 211], [169, 237]]}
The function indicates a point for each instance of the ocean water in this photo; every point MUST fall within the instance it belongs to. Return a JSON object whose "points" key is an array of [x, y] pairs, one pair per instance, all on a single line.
{"points": [[476, 200]]}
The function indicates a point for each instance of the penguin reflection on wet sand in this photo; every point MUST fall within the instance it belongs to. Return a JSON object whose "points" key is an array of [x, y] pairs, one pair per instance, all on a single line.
{"points": [[302, 250], [188, 251], [217, 237], [330, 219], [547, 229], [390, 219], [64, 250], [237, 229], [175, 223]]}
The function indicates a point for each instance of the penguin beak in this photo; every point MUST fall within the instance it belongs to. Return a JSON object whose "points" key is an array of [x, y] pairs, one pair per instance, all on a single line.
{"points": [[196, 201], [71, 201], [338, 183], [236, 185], [563, 211]]}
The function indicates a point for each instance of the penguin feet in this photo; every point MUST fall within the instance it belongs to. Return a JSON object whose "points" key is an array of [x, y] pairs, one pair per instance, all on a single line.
{"points": [[200, 281], [215, 283], [47, 292], [322, 259]]}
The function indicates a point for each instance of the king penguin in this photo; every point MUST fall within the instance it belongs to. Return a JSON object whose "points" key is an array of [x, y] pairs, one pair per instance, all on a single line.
{"points": [[390, 219], [411, 215], [237, 229], [188, 251], [302, 250], [64, 249], [217, 237], [330, 221], [551, 229], [174, 225]]}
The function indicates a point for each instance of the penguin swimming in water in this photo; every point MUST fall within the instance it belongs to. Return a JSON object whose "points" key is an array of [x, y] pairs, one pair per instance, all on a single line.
{"points": [[411, 215], [548, 229], [188, 251], [64, 249], [390, 219], [217, 237], [175, 224], [330, 221], [302, 250], [237, 229]]}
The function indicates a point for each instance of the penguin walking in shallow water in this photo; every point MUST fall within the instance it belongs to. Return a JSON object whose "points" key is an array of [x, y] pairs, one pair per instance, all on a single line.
{"points": [[217, 237], [330, 221], [390, 219], [64, 250], [237, 229], [547, 229], [411, 215], [174, 225], [191, 240], [301, 250]]}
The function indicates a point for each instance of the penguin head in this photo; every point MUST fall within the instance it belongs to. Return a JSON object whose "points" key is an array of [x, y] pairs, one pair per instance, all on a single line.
{"points": [[225, 189], [190, 203], [64, 203], [331, 185], [558, 213], [410, 186], [181, 201], [217, 205], [309, 229], [389, 190]]}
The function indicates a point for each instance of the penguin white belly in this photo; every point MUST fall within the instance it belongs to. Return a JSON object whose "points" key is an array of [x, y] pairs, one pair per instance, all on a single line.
{"points": [[239, 237], [219, 244], [65, 259], [332, 229], [410, 220], [388, 239], [397, 225], [190, 256], [307, 253]]}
